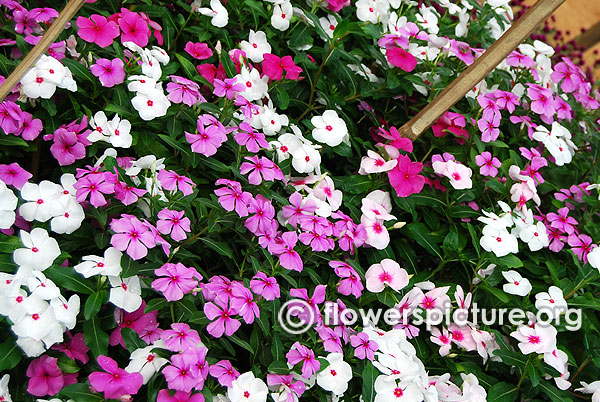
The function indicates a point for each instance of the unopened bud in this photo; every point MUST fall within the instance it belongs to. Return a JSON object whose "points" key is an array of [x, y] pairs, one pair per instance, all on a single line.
{"points": [[218, 47], [399, 225]]}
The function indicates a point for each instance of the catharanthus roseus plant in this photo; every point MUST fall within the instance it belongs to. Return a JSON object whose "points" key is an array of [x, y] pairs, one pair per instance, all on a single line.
{"points": [[211, 201]]}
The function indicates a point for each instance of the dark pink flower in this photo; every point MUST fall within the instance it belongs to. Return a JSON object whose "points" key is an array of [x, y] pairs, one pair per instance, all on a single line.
{"points": [[109, 72], [75, 348], [450, 122], [363, 346], [30, 127], [232, 197], [198, 50], [298, 208], [180, 338], [488, 164], [211, 135], [178, 280], [274, 66], [399, 57], [116, 381], [351, 282], [220, 314], [97, 29], [224, 372], [405, 178], [296, 388], [299, 353], [178, 396], [134, 28], [45, 378], [14, 175], [140, 322], [264, 286], [182, 374], [242, 301], [463, 51], [288, 257], [67, 148]]}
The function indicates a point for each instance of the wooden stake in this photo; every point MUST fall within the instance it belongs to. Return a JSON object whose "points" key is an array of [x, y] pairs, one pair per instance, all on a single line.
{"points": [[482, 66], [49, 37]]}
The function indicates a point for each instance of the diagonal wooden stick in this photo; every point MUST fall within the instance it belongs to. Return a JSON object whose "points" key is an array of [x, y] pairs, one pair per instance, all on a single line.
{"points": [[482, 66], [49, 37]]}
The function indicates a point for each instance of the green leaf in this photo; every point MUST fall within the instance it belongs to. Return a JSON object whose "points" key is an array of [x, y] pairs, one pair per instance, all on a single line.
{"points": [[8, 244], [500, 295], [94, 303], [419, 233], [81, 393], [78, 70], [502, 392], [95, 338], [277, 348], [278, 367], [187, 65], [369, 374], [12, 141], [9, 354], [66, 364], [67, 278], [357, 184], [508, 261], [214, 164], [427, 200], [218, 246], [585, 301], [512, 358], [555, 394], [240, 342], [155, 304], [131, 339], [175, 144]]}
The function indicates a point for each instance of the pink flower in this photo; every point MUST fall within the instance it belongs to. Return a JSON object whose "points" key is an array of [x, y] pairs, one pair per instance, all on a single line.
{"points": [[264, 286], [532, 169], [182, 90], [581, 245], [116, 382], [14, 175], [144, 324], [263, 211], [173, 223], [172, 181], [274, 66], [10, 117], [288, 384], [75, 348], [178, 396], [489, 127], [228, 87], [242, 301], [260, 169], [363, 346], [452, 122], [109, 72], [67, 148], [488, 165], [198, 50], [567, 72], [45, 378], [232, 197], [399, 57], [131, 235], [299, 353], [182, 374], [251, 139], [542, 100], [443, 339], [405, 178], [350, 283], [30, 127], [127, 194], [224, 372], [179, 280], [134, 28], [387, 272], [180, 338], [220, 315], [463, 51], [211, 135], [94, 185], [97, 29], [288, 257], [562, 221]]}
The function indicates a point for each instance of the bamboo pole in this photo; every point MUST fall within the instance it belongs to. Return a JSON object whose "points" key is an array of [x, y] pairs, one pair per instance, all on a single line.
{"points": [[482, 66], [49, 37]]}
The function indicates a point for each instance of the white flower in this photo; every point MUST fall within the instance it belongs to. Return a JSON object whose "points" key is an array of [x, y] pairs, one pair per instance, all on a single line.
{"points": [[323, 207], [110, 265], [328, 24], [247, 388], [70, 218], [282, 14], [125, 293], [8, 204], [329, 128], [539, 339], [116, 132], [552, 302], [592, 388], [38, 321], [388, 388], [141, 83], [594, 258], [146, 362], [66, 311], [151, 104], [336, 375], [219, 14], [502, 221], [42, 80], [517, 285], [374, 163], [557, 142], [145, 162], [535, 236], [4, 388], [428, 19], [40, 250], [377, 234], [459, 175], [472, 391], [42, 287], [270, 121], [11, 302], [40, 198], [325, 191], [256, 87], [256, 46], [377, 205], [160, 54], [499, 241], [366, 11]]}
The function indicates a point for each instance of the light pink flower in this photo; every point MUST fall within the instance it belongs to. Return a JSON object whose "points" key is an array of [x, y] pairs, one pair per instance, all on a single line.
{"points": [[178, 280], [173, 223], [131, 235], [387, 272]]}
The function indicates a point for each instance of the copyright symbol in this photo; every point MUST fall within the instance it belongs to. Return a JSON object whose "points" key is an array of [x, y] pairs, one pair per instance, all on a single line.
{"points": [[296, 316]]}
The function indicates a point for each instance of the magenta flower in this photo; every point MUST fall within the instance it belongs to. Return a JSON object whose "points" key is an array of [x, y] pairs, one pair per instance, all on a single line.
{"points": [[506, 100], [232, 197], [75, 347], [567, 72], [557, 239], [133, 28], [462, 51], [405, 178], [288, 257], [198, 50], [211, 135], [132, 235], [488, 164], [182, 90], [116, 381], [172, 181], [542, 100], [251, 139], [30, 127], [364, 348], [10, 117], [97, 29], [109, 72], [242, 301], [312, 303], [127, 194], [299, 353], [45, 378], [263, 211], [182, 374], [179, 280], [178, 396], [264, 286], [94, 185], [298, 208], [318, 241], [173, 223], [449, 122], [67, 148], [221, 314], [532, 169], [581, 245], [260, 169], [14, 175], [351, 282], [516, 59], [562, 221], [180, 337], [400, 58], [274, 66], [224, 372], [489, 128], [142, 323], [331, 341], [229, 87]]}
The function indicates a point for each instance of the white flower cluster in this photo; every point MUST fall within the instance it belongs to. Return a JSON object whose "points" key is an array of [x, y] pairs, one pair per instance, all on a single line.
{"points": [[48, 74], [33, 303], [557, 142], [376, 208], [116, 132], [305, 155], [219, 14], [497, 239], [150, 100]]}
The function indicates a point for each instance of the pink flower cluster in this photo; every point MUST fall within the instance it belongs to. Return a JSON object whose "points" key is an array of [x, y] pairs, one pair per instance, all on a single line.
{"points": [[69, 142], [15, 121]]}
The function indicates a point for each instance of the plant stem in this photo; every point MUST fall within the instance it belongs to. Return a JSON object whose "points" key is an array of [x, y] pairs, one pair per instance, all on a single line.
{"points": [[524, 373], [585, 363]]}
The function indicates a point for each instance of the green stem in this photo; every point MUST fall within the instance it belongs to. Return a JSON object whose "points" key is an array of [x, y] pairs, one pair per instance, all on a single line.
{"points": [[524, 373]]}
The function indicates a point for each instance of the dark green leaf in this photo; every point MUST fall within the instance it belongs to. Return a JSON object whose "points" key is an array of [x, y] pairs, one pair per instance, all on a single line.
{"points": [[10, 355], [95, 338], [94, 303], [369, 374], [67, 278], [218, 246], [502, 392]]}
